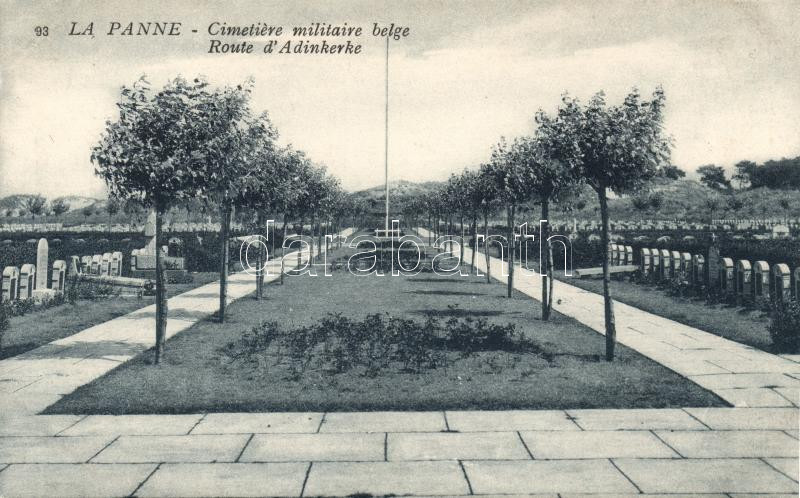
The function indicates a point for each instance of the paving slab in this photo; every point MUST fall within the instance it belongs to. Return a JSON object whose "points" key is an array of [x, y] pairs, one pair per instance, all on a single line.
{"points": [[42, 425], [30, 449], [248, 423], [384, 478], [731, 444], [596, 444], [117, 425], [510, 420], [648, 495], [747, 418], [705, 476], [789, 466], [790, 393], [568, 476], [190, 449], [636, 419], [753, 397], [64, 481], [456, 446], [226, 479], [383, 422], [315, 447], [742, 380]]}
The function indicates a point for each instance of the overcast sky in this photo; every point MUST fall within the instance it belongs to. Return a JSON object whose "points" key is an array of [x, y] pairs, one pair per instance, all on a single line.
{"points": [[468, 73]]}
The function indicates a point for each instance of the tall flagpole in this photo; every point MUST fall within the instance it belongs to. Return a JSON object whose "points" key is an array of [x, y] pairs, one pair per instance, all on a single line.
{"points": [[386, 142]]}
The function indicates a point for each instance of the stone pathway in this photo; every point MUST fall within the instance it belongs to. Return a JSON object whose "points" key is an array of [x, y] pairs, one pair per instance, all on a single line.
{"points": [[710, 452]]}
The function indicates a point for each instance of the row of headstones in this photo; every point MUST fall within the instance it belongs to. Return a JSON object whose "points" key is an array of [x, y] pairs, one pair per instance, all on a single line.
{"points": [[19, 283], [621, 255], [742, 279], [107, 264]]}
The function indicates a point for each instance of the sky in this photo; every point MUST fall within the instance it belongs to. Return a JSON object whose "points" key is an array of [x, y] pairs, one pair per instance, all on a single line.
{"points": [[468, 73]]}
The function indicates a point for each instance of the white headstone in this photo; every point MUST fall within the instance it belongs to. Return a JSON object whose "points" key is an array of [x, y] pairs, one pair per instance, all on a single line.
{"points": [[42, 263]]}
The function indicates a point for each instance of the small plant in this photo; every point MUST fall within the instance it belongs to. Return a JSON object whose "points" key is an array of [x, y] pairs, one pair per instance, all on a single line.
{"points": [[784, 327], [5, 323], [337, 344]]}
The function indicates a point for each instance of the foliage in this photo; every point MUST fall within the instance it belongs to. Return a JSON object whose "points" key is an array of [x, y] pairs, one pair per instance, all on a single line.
{"points": [[784, 327], [713, 177], [34, 205], [375, 344], [59, 207]]}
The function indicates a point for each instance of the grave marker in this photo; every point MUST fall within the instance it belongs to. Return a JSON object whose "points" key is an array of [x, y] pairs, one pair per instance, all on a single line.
{"points": [[628, 255], [27, 281], [781, 283], [644, 263], [686, 265], [744, 279], [86, 264], [10, 284], [675, 259], [727, 276], [698, 270], [761, 280], [666, 264], [59, 275], [105, 264], [42, 263], [116, 264], [96, 262]]}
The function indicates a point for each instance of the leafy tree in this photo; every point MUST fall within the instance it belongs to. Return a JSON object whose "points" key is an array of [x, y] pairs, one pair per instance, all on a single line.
{"points": [[59, 207], [713, 177], [734, 203], [546, 178], [512, 185], [745, 173], [34, 205], [672, 172], [617, 148], [712, 204], [781, 174], [87, 211], [151, 155], [231, 137]]}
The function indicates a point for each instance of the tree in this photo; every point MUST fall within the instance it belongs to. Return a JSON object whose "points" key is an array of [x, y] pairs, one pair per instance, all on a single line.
{"points": [[612, 148], [34, 205], [151, 155], [510, 180], [112, 207], [59, 207], [672, 172], [712, 204], [745, 173], [546, 178], [713, 177], [231, 137], [87, 211]]}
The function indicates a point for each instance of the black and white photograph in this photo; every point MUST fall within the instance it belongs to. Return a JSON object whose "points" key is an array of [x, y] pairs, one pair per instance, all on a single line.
{"points": [[372, 248]]}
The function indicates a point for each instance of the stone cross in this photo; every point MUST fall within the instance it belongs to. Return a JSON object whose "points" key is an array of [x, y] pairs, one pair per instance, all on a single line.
{"points": [[42, 264]]}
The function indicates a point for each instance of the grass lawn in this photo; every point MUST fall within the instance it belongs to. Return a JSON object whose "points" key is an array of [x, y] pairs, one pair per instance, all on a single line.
{"points": [[737, 324], [568, 371], [40, 327]]}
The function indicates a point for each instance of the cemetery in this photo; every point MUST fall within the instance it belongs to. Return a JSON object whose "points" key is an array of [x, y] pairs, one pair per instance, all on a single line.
{"points": [[569, 282]]}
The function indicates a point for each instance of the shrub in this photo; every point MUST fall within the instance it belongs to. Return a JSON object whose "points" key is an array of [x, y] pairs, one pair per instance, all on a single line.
{"points": [[5, 314], [784, 327], [377, 343]]}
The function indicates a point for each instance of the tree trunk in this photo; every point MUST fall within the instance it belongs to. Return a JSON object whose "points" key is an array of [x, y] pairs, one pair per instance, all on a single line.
{"points": [[611, 331], [283, 253], [511, 248], [545, 258], [474, 239], [486, 246], [259, 262], [223, 260], [461, 242], [161, 292], [311, 233]]}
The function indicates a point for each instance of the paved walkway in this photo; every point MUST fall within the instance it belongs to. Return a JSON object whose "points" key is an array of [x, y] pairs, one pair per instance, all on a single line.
{"points": [[749, 451]]}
